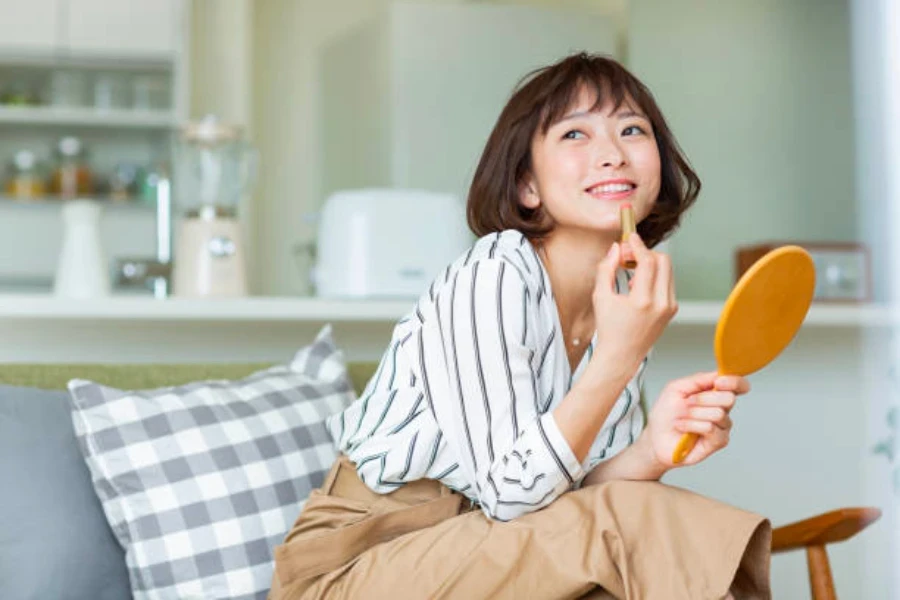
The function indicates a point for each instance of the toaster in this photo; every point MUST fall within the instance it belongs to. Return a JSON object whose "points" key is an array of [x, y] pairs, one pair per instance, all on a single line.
{"points": [[386, 243]]}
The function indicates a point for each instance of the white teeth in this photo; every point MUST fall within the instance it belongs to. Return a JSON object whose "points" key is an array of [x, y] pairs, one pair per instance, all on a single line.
{"points": [[612, 188]]}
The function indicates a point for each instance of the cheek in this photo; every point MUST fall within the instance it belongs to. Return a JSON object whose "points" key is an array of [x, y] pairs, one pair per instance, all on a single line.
{"points": [[571, 165], [647, 163]]}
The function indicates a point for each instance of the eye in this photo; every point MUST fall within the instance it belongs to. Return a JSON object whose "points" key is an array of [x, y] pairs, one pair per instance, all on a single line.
{"points": [[633, 130], [573, 134]]}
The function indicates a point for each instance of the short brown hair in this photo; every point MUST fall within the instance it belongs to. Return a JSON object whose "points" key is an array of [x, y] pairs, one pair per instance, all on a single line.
{"points": [[539, 100]]}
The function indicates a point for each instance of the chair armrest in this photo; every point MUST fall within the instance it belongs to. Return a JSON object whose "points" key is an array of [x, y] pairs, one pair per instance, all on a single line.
{"points": [[834, 526]]}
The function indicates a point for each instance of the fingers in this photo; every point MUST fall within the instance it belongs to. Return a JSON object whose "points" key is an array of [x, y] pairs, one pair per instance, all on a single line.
{"points": [[718, 434], [645, 272], [693, 426], [713, 414], [652, 283], [672, 300], [732, 383], [640, 249], [717, 429], [606, 270], [693, 384], [716, 399], [664, 292]]}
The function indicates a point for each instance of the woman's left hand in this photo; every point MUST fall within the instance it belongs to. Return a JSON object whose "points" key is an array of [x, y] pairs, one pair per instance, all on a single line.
{"points": [[698, 404]]}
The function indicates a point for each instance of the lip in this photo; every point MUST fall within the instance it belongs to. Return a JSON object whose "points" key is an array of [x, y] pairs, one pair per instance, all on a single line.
{"points": [[611, 195]]}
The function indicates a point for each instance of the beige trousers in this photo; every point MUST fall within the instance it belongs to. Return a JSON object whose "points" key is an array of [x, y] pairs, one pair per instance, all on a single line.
{"points": [[625, 539]]}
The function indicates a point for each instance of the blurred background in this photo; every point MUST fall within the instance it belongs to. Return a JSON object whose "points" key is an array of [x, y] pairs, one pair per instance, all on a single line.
{"points": [[319, 152], [776, 103]]}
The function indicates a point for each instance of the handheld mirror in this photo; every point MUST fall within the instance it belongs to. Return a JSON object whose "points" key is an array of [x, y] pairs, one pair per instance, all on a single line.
{"points": [[760, 318]]}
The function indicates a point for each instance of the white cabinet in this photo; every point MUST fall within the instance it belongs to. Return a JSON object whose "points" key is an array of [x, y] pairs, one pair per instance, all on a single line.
{"points": [[112, 73], [29, 27], [116, 29], [126, 28]]}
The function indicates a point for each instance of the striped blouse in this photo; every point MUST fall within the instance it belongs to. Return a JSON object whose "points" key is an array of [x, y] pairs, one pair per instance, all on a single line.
{"points": [[465, 390]]}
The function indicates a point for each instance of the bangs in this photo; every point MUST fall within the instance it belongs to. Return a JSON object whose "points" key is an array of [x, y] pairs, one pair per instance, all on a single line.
{"points": [[607, 83]]}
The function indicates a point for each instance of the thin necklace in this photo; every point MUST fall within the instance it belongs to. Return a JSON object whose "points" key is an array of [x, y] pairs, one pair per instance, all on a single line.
{"points": [[576, 341]]}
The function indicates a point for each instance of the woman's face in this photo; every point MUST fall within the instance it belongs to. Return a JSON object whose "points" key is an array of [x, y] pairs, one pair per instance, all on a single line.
{"points": [[590, 163]]}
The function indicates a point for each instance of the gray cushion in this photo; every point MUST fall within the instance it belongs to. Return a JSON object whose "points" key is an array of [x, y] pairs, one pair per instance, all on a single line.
{"points": [[201, 481], [54, 539]]}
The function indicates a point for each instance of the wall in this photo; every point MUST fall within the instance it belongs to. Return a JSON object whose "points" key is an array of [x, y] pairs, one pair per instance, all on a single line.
{"points": [[759, 95], [390, 117], [876, 63], [289, 36], [222, 60], [616, 11]]}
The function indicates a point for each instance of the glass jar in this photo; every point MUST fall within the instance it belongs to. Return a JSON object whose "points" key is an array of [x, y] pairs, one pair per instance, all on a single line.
{"points": [[24, 181], [72, 176], [18, 93], [111, 91], [151, 92], [124, 182], [67, 89]]}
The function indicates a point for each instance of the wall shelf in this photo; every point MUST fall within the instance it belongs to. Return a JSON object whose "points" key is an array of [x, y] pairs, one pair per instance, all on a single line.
{"points": [[55, 203], [86, 117], [820, 314], [297, 309], [143, 308]]}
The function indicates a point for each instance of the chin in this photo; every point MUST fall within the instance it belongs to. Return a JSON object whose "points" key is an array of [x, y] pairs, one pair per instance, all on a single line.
{"points": [[605, 231]]}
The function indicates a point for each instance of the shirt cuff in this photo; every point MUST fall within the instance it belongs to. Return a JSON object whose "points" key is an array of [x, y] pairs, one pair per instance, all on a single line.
{"points": [[559, 448]]}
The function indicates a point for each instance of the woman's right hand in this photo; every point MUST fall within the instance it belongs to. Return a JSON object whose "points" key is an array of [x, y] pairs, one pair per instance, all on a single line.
{"points": [[628, 325]]}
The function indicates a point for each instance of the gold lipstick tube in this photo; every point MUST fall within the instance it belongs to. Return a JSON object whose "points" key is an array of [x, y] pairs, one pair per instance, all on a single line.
{"points": [[626, 214]]}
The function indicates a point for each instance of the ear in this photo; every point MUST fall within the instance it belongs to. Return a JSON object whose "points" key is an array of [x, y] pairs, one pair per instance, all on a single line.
{"points": [[528, 196]]}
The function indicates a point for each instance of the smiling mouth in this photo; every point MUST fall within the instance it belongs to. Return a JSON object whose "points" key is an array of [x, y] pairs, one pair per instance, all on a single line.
{"points": [[606, 189]]}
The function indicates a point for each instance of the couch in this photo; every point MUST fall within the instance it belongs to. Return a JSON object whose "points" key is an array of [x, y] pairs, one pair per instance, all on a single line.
{"points": [[81, 553], [79, 557]]}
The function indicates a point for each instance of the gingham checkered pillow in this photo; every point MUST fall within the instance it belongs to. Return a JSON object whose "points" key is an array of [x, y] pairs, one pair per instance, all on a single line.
{"points": [[199, 482]]}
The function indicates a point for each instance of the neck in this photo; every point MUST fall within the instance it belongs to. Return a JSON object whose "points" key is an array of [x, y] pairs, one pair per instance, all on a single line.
{"points": [[571, 259]]}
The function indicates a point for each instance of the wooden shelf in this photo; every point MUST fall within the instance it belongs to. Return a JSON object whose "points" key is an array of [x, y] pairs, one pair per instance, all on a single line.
{"points": [[86, 117], [292, 309]]}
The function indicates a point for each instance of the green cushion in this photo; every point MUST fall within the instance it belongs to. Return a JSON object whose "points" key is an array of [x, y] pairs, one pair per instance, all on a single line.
{"points": [[149, 376], [146, 376]]}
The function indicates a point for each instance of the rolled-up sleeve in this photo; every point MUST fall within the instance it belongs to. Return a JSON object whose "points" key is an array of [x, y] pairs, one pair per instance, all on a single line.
{"points": [[482, 342]]}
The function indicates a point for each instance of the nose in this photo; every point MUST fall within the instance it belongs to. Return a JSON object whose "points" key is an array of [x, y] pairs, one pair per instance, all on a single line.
{"points": [[609, 154]]}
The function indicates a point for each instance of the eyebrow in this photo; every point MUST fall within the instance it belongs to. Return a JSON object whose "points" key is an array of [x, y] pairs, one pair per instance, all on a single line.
{"points": [[626, 113]]}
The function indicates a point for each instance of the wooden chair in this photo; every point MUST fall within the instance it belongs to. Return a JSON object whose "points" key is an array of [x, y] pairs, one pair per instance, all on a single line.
{"points": [[813, 534]]}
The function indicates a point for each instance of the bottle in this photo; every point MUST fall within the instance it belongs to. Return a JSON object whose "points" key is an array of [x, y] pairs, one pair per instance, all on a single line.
{"points": [[82, 271], [25, 181], [72, 176]]}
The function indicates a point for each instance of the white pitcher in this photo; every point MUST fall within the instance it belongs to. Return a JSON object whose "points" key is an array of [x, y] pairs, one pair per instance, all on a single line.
{"points": [[82, 270]]}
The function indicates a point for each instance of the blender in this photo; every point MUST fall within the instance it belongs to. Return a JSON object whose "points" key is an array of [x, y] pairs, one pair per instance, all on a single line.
{"points": [[214, 168]]}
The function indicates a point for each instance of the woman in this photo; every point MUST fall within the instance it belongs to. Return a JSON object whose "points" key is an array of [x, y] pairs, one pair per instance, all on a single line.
{"points": [[500, 450]]}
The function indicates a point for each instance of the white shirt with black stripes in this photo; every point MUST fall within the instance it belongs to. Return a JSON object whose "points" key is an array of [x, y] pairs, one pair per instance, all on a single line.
{"points": [[465, 390]]}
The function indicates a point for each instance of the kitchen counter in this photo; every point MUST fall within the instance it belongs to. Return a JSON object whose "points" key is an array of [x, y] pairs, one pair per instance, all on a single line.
{"points": [[310, 309]]}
